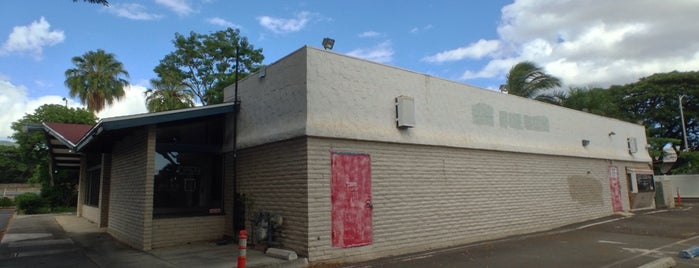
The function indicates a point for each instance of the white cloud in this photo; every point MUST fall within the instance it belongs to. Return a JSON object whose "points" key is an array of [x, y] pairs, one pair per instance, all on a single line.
{"points": [[282, 25], [594, 43], [32, 38], [181, 7], [13, 101], [222, 22], [472, 51], [492, 69], [134, 102], [16, 104], [369, 34], [420, 29], [382, 53], [131, 11]]}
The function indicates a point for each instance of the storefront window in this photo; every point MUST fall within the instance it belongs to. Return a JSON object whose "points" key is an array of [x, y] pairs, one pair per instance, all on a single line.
{"points": [[92, 188], [187, 183], [645, 182], [188, 170]]}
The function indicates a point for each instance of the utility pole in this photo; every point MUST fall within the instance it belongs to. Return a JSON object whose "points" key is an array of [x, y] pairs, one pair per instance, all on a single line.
{"points": [[684, 129]]}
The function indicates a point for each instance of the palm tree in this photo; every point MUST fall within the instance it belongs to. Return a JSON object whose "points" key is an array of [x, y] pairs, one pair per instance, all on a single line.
{"points": [[528, 80], [165, 96], [96, 79]]}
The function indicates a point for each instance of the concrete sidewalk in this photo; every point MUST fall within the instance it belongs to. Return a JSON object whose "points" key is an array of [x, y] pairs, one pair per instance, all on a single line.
{"points": [[64, 240]]}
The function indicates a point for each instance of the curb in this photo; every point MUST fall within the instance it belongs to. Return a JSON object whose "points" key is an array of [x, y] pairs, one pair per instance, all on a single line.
{"points": [[665, 262], [9, 222]]}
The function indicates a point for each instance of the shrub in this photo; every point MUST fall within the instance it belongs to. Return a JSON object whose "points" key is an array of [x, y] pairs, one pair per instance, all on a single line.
{"points": [[30, 203], [6, 202]]}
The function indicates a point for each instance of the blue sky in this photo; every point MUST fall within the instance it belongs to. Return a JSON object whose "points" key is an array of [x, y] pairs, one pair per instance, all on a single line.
{"points": [[585, 43]]}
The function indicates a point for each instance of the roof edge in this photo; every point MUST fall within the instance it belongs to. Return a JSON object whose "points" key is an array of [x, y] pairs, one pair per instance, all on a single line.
{"points": [[130, 121]]}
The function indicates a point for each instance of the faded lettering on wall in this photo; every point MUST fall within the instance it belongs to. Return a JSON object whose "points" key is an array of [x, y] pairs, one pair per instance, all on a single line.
{"points": [[484, 115]]}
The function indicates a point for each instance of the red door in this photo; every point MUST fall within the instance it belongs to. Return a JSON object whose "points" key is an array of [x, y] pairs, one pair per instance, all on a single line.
{"points": [[351, 199], [615, 188]]}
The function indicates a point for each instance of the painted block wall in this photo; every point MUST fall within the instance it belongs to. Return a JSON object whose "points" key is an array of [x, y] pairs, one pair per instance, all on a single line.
{"points": [[180, 231], [104, 190], [273, 107], [131, 198], [688, 185], [91, 213], [274, 177], [322, 93], [354, 99], [99, 215], [429, 197], [477, 165]]}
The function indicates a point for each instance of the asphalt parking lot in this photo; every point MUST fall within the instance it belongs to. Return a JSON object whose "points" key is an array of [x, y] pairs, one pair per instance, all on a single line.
{"points": [[615, 241], [63, 240]]}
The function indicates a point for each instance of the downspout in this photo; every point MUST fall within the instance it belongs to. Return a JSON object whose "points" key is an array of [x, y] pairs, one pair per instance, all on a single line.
{"points": [[236, 207]]}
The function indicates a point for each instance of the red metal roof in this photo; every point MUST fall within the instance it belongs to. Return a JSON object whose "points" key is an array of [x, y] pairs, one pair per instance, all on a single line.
{"points": [[71, 132]]}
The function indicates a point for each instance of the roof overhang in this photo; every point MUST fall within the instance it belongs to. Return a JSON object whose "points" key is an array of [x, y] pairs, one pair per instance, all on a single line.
{"points": [[60, 139], [116, 124]]}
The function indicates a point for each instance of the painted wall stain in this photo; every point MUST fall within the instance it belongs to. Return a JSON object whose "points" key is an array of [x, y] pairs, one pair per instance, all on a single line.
{"points": [[585, 190]]}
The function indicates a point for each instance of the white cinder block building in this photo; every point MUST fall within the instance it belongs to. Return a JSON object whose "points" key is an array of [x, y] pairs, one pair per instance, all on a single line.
{"points": [[361, 160]]}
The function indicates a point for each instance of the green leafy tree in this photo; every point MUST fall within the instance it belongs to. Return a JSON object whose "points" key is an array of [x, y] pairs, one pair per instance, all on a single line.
{"points": [[528, 80], [594, 100], [205, 64], [97, 79], [12, 170], [165, 96], [34, 152], [654, 101]]}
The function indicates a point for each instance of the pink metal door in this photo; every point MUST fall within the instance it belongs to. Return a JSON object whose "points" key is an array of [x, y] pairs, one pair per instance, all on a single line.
{"points": [[615, 188], [350, 192]]}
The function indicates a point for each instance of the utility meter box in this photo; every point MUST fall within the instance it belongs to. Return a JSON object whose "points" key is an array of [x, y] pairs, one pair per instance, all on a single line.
{"points": [[405, 112]]}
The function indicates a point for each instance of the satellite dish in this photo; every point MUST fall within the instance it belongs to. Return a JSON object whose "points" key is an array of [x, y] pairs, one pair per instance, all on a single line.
{"points": [[668, 158], [669, 153]]}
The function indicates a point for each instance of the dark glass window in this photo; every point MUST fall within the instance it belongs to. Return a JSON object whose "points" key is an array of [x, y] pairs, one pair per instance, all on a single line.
{"points": [[187, 183], [645, 182], [92, 187], [189, 169]]}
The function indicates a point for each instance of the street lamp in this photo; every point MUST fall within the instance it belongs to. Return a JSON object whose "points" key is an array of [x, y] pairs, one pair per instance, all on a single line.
{"points": [[328, 43], [66, 100], [684, 129]]}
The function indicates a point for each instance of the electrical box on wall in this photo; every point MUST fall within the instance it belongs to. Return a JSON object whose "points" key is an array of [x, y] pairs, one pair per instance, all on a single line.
{"points": [[405, 112], [633, 147]]}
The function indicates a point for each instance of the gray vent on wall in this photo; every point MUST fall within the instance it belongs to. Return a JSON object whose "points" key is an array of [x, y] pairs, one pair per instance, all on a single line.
{"points": [[405, 112]]}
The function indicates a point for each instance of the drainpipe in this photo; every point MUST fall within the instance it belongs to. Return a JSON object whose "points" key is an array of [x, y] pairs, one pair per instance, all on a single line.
{"points": [[236, 208]]}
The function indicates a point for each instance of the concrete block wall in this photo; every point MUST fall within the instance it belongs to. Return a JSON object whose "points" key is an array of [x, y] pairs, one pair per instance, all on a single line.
{"points": [[82, 177], [91, 214], [429, 197], [688, 184], [104, 190], [131, 189], [228, 194], [180, 231], [273, 176]]}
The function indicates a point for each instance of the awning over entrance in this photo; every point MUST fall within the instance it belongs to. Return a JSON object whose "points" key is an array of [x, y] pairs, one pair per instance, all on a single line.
{"points": [[61, 140]]}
